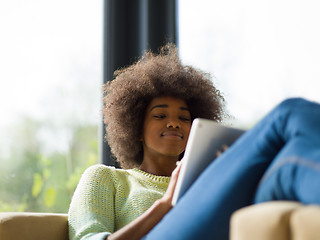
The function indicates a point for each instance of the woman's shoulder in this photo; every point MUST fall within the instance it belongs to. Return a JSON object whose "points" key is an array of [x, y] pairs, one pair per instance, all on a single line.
{"points": [[103, 172], [99, 170]]}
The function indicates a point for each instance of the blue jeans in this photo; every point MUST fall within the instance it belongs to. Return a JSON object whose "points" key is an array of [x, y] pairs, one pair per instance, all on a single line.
{"points": [[278, 159]]}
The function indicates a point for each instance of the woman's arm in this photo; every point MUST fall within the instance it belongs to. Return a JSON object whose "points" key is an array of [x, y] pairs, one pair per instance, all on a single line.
{"points": [[145, 222], [91, 210]]}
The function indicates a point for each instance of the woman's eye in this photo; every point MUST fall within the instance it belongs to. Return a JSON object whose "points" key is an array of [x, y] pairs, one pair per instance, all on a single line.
{"points": [[185, 119], [159, 116]]}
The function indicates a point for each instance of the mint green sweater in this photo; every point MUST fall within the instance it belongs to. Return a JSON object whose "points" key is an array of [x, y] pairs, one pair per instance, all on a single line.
{"points": [[106, 199]]}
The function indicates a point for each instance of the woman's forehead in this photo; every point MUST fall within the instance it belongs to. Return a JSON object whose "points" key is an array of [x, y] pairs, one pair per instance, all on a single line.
{"points": [[167, 100]]}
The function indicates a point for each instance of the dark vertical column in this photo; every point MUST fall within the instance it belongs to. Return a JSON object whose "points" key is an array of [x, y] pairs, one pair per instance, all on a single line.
{"points": [[161, 23], [130, 28]]}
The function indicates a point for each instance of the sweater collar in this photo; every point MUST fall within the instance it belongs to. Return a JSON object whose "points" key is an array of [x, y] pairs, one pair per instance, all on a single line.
{"points": [[150, 176]]}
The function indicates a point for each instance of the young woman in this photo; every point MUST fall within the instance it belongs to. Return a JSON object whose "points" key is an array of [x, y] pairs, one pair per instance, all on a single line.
{"points": [[148, 111], [278, 159]]}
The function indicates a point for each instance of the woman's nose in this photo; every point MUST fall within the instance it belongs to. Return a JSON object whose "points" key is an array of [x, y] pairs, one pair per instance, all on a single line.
{"points": [[173, 124]]}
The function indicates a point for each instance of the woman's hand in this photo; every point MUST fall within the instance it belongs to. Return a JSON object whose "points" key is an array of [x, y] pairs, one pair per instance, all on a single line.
{"points": [[223, 149], [167, 197]]}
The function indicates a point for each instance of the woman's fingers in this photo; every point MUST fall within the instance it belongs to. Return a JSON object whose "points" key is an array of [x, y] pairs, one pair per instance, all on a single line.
{"points": [[223, 149], [173, 181]]}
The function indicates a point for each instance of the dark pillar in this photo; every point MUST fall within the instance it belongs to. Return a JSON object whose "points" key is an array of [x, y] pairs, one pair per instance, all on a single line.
{"points": [[130, 28], [161, 23]]}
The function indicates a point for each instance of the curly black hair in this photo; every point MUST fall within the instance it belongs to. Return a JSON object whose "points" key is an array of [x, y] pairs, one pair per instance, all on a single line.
{"points": [[153, 75]]}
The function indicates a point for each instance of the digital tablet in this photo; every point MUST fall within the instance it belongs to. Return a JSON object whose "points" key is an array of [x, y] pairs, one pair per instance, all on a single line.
{"points": [[206, 139]]}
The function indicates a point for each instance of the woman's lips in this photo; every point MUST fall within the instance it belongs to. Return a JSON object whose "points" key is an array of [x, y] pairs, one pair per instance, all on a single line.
{"points": [[172, 134]]}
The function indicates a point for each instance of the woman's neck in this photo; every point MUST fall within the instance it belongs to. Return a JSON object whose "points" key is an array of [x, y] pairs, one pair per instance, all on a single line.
{"points": [[162, 166]]}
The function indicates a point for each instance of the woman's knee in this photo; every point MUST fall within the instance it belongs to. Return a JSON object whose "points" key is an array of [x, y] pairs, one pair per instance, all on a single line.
{"points": [[291, 103], [299, 114]]}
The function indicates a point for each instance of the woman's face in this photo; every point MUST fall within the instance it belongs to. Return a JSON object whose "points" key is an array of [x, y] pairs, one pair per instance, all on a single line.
{"points": [[166, 127]]}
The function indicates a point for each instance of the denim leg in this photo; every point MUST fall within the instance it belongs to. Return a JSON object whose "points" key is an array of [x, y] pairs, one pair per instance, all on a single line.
{"points": [[295, 172], [293, 178], [230, 182]]}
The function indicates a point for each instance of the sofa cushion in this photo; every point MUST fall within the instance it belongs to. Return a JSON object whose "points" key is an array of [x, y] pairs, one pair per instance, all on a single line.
{"points": [[305, 223], [33, 226], [264, 221]]}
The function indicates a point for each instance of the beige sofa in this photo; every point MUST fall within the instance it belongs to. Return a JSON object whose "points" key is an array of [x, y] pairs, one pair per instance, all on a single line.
{"points": [[33, 226], [276, 221], [267, 221]]}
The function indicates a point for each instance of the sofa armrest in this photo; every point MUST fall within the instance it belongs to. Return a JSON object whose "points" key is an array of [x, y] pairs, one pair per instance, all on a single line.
{"points": [[33, 226], [265, 221], [305, 223]]}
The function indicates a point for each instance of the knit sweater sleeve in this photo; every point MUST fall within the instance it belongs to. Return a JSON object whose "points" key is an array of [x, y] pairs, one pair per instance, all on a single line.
{"points": [[91, 212]]}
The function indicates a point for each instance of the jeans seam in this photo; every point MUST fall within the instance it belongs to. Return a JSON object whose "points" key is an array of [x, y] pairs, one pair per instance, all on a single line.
{"points": [[291, 160]]}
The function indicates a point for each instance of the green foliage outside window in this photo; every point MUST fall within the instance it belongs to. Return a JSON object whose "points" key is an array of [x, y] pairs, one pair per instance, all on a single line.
{"points": [[32, 180]]}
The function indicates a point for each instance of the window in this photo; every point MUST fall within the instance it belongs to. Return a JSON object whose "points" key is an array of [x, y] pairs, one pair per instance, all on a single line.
{"points": [[259, 52], [51, 77]]}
